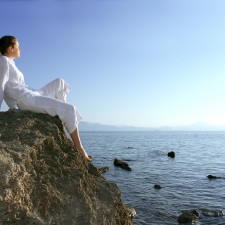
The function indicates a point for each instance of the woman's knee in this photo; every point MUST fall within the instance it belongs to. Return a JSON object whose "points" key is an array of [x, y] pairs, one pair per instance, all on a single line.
{"points": [[59, 81]]}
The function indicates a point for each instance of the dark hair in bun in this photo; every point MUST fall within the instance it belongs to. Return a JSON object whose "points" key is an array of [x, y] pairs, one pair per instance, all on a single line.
{"points": [[5, 42]]}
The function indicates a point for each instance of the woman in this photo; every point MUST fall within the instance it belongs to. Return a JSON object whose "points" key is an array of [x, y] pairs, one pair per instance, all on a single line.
{"points": [[51, 99]]}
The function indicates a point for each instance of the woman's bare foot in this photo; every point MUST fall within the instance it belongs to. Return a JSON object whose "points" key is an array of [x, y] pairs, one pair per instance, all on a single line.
{"points": [[89, 158], [82, 150]]}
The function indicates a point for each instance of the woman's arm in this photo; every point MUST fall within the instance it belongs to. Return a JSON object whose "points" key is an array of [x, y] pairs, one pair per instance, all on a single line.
{"points": [[4, 76]]}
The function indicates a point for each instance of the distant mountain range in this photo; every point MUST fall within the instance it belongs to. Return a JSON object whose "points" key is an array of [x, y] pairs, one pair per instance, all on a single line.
{"points": [[199, 126]]}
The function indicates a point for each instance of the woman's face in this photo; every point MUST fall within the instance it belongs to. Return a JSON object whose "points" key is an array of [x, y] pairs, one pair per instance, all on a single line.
{"points": [[14, 51]]}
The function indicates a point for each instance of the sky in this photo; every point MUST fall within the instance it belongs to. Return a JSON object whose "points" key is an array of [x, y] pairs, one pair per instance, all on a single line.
{"points": [[145, 63]]}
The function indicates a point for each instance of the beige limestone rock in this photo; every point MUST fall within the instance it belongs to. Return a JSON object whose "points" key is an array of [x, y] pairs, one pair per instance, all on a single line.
{"points": [[44, 180]]}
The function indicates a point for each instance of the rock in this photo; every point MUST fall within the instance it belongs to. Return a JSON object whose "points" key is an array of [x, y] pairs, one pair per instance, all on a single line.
{"points": [[131, 212], [191, 217], [187, 217], [157, 186], [171, 154], [44, 180], [196, 212], [212, 213], [104, 169], [121, 164], [214, 177]]}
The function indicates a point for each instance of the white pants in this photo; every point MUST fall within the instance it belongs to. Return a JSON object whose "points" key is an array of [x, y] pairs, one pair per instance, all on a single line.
{"points": [[51, 99]]}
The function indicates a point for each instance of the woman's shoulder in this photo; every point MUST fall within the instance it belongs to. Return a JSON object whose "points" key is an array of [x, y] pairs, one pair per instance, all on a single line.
{"points": [[4, 59]]}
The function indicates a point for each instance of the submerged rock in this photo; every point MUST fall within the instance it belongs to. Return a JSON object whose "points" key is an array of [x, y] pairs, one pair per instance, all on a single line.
{"points": [[214, 177], [44, 180], [192, 216], [187, 217], [212, 213], [104, 169], [157, 186], [122, 164]]}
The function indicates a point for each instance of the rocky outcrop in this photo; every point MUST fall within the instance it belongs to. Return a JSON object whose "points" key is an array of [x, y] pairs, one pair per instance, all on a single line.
{"points": [[44, 180]]}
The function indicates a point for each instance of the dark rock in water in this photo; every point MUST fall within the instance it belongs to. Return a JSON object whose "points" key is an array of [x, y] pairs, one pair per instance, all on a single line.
{"points": [[121, 164], [187, 218], [212, 213], [104, 169], [44, 180], [171, 154], [196, 212], [191, 217], [157, 186], [214, 177]]}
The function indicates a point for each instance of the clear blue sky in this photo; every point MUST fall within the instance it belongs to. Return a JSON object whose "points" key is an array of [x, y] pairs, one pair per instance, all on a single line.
{"points": [[129, 62]]}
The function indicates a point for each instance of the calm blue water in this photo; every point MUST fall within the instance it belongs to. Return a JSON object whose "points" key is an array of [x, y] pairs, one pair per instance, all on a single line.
{"points": [[184, 178]]}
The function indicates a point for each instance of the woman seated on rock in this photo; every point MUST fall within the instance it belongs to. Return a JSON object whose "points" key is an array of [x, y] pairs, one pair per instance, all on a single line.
{"points": [[51, 99]]}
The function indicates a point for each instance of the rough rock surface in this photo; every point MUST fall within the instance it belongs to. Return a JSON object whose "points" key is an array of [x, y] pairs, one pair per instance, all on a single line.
{"points": [[44, 180], [187, 217]]}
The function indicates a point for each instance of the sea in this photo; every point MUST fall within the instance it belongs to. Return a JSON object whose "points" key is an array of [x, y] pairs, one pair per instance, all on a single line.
{"points": [[184, 181]]}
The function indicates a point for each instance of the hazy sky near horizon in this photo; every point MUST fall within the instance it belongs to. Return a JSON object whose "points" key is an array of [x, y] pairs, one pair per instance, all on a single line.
{"points": [[129, 62]]}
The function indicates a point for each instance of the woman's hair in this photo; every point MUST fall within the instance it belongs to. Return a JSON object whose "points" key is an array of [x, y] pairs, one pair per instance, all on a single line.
{"points": [[5, 42]]}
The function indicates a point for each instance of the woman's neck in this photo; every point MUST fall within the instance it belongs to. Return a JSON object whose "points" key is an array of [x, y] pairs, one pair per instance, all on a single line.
{"points": [[8, 55]]}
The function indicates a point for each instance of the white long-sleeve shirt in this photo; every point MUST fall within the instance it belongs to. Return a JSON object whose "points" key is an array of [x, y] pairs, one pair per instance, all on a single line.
{"points": [[11, 81], [50, 99]]}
